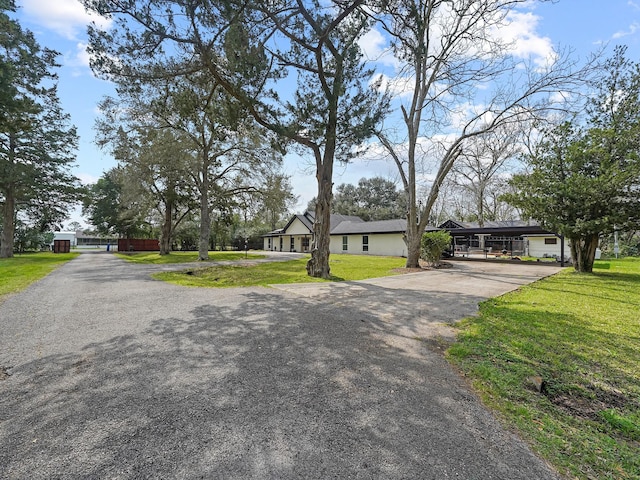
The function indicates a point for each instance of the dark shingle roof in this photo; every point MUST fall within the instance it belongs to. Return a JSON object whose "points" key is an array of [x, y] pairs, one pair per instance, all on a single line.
{"points": [[398, 225]]}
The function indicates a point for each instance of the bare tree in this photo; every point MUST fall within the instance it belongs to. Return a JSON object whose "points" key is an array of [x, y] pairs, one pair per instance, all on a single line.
{"points": [[464, 82], [476, 171]]}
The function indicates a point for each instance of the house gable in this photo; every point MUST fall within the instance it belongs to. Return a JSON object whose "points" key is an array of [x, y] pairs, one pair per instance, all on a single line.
{"points": [[297, 227]]}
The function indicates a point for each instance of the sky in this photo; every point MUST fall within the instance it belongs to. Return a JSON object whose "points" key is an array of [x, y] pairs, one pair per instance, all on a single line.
{"points": [[583, 26]]}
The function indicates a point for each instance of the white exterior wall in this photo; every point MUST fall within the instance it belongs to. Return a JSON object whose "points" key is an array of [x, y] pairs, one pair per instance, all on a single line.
{"points": [[335, 244], [537, 247], [297, 228], [286, 243], [384, 244]]}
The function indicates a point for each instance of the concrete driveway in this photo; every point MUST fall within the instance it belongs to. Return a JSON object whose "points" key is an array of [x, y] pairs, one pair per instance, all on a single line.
{"points": [[115, 375]]}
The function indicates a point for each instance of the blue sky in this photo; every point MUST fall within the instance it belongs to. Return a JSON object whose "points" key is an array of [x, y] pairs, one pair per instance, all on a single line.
{"points": [[581, 25]]}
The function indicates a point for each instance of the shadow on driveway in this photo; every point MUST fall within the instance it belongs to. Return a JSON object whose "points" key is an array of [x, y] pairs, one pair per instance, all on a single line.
{"points": [[273, 385]]}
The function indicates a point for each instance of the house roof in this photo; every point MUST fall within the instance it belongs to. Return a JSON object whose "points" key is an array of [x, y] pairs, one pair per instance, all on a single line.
{"points": [[453, 224], [307, 219], [513, 228], [352, 225], [398, 225]]}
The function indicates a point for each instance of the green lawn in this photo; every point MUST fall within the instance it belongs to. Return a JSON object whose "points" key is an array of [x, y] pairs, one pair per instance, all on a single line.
{"points": [[581, 334], [183, 257], [18, 272], [343, 267]]}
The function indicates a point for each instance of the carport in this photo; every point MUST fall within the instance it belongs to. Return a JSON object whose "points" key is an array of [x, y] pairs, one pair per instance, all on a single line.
{"points": [[496, 238]]}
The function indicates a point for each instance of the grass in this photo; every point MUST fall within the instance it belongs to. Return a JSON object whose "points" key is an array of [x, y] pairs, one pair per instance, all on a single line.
{"points": [[20, 271], [183, 257], [581, 334], [343, 268]]}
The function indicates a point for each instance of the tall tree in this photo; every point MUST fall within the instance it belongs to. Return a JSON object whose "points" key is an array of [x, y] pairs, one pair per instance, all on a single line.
{"points": [[463, 81], [477, 171], [247, 47], [584, 181], [36, 141], [275, 198], [110, 209], [157, 167], [218, 152], [372, 199]]}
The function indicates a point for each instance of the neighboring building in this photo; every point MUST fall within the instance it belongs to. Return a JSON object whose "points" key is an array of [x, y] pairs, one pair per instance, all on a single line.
{"points": [[82, 240], [71, 236]]}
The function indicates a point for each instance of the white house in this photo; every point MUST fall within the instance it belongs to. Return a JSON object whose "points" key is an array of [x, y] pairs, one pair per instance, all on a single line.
{"points": [[383, 237], [349, 234], [297, 233], [353, 235]]}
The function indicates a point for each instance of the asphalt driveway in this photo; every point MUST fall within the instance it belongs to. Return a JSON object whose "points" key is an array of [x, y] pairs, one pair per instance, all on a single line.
{"points": [[115, 375]]}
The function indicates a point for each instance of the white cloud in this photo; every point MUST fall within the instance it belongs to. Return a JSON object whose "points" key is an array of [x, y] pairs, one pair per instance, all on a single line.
{"points": [[78, 58], [560, 97], [633, 28], [375, 47], [397, 86], [87, 178], [65, 17], [520, 32]]}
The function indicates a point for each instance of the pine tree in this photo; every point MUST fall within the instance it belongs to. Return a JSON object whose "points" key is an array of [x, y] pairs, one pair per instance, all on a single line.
{"points": [[36, 141]]}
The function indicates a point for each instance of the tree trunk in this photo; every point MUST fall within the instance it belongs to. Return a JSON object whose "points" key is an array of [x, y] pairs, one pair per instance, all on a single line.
{"points": [[8, 225], [205, 217], [583, 252], [165, 234], [318, 264], [413, 241]]}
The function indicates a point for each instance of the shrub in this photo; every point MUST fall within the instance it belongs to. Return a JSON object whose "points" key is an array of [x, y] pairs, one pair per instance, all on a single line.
{"points": [[433, 245]]}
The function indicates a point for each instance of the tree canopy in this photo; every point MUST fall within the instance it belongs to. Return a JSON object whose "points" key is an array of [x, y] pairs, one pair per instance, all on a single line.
{"points": [[372, 199], [249, 49], [456, 79], [584, 178], [37, 142]]}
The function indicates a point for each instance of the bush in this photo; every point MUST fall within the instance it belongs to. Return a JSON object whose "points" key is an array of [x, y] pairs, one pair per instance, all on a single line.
{"points": [[433, 245]]}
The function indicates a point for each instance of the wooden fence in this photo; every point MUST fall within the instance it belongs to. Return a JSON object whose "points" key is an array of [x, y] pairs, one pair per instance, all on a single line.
{"points": [[138, 245], [61, 246]]}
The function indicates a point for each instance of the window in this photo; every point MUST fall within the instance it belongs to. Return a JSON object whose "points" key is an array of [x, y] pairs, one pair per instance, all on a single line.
{"points": [[365, 243], [345, 243], [270, 243], [550, 241], [292, 245]]}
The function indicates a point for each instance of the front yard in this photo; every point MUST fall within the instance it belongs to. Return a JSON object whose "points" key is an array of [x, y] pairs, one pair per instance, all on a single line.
{"points": [[577, 337], [20, 271]]}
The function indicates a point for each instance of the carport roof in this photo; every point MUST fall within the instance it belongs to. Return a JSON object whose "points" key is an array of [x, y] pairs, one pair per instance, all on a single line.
{"points": [[510, 228]]}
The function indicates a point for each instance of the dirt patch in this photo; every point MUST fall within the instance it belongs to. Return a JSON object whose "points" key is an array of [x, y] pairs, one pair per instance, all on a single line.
{"points": [[589, 402], [408, 270], [4, 373], [423, 266]]}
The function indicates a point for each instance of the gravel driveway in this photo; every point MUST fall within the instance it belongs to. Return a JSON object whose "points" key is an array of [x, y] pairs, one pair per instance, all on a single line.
{"points": [[115, 375]]}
